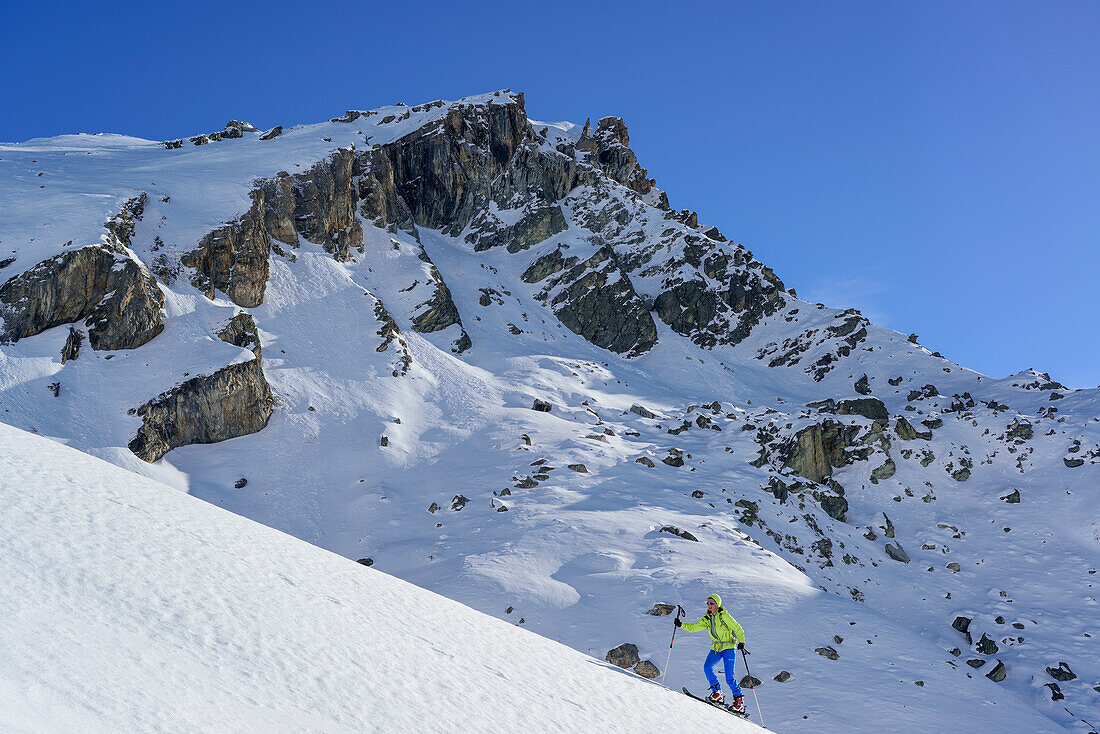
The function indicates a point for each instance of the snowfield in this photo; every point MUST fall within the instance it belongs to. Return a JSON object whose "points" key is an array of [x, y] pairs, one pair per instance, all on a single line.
{"points": [[128, 606]]}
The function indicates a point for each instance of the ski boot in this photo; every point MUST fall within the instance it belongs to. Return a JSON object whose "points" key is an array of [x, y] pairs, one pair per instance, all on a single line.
{"points": [[716, 697], [738, 705]]}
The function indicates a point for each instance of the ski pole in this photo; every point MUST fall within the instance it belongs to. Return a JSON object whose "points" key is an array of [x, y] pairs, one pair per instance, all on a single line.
{"points": [[752, 684], [679, 612]]}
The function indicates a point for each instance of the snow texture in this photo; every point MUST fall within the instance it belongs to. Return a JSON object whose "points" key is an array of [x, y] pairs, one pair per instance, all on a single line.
{"points": [[129, 606]]}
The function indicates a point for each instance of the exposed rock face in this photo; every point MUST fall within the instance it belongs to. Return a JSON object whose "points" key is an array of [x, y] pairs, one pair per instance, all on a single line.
{"points": [[835, 506], [867, 407], [116, 295], [445, 175], [598, 302], [322, 201], [725, 314], [234, 401], [441, 174], [241, 332], [595, 299], [611, 145], [535, 227], [439, 311], [71, 350], [807, 455], [233, 258], [818, 449], [318, 205]]}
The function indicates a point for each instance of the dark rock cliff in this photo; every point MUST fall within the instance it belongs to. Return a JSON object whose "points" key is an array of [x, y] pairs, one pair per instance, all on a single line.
{"points": [[318, 205], [115, 293], [452, 174], [234, 401]]}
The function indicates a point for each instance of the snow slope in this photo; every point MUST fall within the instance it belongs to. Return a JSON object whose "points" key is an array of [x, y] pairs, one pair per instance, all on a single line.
{"points": [[579, 557], [128, 606]]}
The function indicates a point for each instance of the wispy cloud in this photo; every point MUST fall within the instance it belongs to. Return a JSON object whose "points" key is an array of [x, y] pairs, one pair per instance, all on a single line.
{"points": [[864, 291]]}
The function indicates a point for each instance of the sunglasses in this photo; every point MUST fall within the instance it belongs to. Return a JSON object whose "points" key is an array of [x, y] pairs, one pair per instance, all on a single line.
{"points": [[711, 603]]}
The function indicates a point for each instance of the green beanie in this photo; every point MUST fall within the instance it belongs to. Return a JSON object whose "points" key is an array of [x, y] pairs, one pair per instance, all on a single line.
{"points": [[717, 599]]}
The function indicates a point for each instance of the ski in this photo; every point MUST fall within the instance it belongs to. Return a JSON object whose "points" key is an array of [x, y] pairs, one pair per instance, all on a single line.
{"points": [[727, 709]]}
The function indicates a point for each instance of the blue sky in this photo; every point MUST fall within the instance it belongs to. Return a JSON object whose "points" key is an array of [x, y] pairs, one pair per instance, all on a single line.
{"points": [[935, 164]]}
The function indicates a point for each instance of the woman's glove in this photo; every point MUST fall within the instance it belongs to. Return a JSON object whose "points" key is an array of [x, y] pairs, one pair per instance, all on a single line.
{"points": [[740, 645], [677, 622]]}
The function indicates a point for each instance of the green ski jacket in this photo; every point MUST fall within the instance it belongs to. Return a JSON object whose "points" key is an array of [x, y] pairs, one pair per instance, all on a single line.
{"points": [[724, 631]]}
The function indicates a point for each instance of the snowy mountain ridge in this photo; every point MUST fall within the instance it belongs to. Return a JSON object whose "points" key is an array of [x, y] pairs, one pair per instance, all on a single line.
{"points": [[340, 330]]}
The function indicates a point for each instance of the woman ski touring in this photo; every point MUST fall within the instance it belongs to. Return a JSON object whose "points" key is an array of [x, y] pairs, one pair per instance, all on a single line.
{"points": [[727, 638]]}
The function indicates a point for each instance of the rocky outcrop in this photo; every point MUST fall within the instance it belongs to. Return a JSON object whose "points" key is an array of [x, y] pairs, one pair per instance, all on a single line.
{"points": [[272, 133], [318, 205], [103, 284], [391, 334], [234, 401], [439, 312], [724, 314], [610, 145], [71, 350], [806, 455], [233, 129], [536, 226], [840, 340], [233, 258], [871, 408], [907, 432], [596, 300], [821, 447], [241, 332], [440, 175], [547, 265]]}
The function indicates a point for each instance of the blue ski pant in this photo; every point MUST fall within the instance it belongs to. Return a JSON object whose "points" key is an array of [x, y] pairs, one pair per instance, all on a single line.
{"points": [[728, 658]]}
